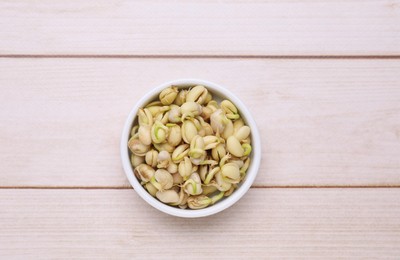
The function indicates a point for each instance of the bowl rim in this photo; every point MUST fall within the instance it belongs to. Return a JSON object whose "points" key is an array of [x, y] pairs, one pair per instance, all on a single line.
{"points": [[228, 201]]}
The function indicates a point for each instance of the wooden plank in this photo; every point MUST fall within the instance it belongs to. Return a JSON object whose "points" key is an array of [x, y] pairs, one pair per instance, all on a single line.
{"points": [[266, 223], [322, 122], [212, 27]]}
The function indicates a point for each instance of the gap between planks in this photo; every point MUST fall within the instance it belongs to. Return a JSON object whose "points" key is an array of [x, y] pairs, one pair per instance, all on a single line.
{"points": [[253, 187], [188, 56]]}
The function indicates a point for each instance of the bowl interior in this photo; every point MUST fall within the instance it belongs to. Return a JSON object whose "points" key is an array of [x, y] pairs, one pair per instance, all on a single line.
{"points": [[219, 93]]}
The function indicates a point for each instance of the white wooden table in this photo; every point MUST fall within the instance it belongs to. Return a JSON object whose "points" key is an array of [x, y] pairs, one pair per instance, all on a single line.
{"points": [[322, 79]]}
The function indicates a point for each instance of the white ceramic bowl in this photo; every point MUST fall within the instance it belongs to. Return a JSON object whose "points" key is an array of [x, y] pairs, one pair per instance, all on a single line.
{"points": [[219, 93]]}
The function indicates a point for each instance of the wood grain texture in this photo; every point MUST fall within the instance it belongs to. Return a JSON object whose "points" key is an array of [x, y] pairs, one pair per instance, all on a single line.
{"points": [[231, 27], [322, 122], [266, 223]]}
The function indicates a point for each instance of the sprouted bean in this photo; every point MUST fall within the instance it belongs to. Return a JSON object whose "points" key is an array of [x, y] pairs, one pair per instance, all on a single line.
{"points": [[188, 150]]}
